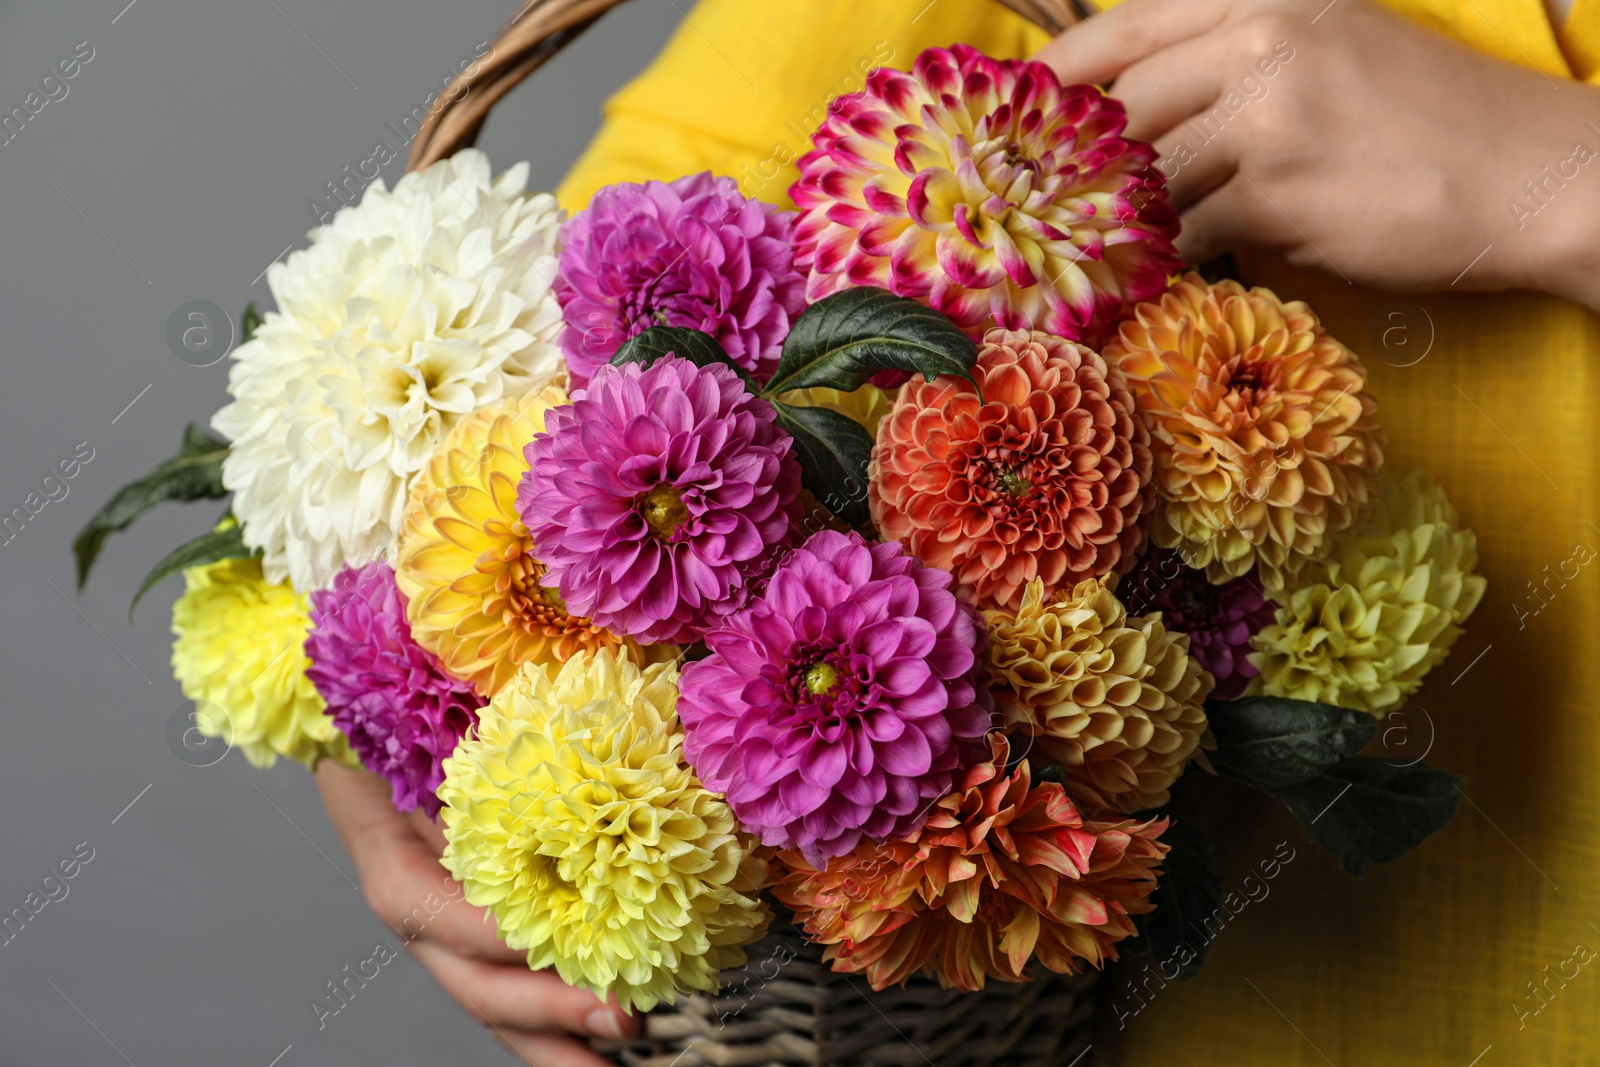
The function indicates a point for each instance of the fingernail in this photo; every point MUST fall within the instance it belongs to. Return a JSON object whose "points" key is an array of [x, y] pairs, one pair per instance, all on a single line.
{"points": [[602, 1023]]}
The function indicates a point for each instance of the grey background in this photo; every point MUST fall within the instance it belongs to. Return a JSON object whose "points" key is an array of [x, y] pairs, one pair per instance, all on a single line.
{"points": [[216, 906]]}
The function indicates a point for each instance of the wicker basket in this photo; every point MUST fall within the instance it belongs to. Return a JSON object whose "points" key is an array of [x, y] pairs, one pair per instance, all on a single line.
{"points": [[786, 1006]]}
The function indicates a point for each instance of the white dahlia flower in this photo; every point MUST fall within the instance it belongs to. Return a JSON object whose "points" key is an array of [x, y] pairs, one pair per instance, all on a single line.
{"points": [[410, 310]]}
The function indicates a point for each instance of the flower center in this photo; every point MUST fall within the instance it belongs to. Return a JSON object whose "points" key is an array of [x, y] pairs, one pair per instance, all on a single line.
{"points": [[663, 510], [1014, 482], [821, 678], [660, 317], [1016, 157]]}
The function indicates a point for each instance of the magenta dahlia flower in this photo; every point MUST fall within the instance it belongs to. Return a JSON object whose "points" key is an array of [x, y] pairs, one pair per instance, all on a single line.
{"points": [[402, 713], [658, 496], [1219, 619], [987, 190], [842, 704], [690, 253]]}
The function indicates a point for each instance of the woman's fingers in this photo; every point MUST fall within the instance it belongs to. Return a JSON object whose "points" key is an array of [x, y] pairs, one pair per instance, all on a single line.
{"points": [[549, 1050], [1231, 218], [400, 873], [1172, 85], [515, 997], [1196, 160], [1100, 48]]}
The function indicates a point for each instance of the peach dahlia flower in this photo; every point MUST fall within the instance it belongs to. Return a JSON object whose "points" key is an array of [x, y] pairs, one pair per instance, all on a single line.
{"points": [[1266, 448]]}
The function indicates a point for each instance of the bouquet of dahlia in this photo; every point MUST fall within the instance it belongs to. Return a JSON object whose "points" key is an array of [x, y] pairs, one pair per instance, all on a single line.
{"points": [[891, 559]]}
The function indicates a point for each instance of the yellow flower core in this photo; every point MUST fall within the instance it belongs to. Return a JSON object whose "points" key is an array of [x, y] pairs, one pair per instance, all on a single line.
{"points": [[663, 510], [821, 678]]}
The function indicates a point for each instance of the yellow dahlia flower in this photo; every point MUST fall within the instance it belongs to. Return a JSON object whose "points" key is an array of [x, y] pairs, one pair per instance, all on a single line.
{"points": [[473, 590], [572, 816], [240, 648], [1265, 444], [867, 405], [1365, 626], [1117, 701]]}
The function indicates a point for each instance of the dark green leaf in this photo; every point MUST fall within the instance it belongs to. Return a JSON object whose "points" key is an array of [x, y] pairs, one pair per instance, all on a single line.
{"points": [[699, 348], [195, 473], [1273, 742], [1188, 893], [842, 340], [1366, 811], [207, 548], [833, 450], [249, 323]]}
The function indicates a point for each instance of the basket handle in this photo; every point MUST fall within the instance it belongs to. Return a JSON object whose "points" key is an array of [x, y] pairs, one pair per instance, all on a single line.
{"points": [[539, 30]]}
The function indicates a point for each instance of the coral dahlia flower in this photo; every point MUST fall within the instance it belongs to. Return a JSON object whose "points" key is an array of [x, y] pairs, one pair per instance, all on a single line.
{"points": [[1045, 479], [477, 596], [843, 702], [1266, 448], [988, 190], [659, 495], [1003, 872]]}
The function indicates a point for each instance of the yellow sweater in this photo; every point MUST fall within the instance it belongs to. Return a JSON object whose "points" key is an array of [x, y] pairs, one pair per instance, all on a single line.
{"points": [[1472, 941]]}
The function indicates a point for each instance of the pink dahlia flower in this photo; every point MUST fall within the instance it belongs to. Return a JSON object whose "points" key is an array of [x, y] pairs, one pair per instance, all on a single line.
{"points": [[842, 705], [658, 496], [987, 190], [691, 253], [402, 713], [1219, 619]]}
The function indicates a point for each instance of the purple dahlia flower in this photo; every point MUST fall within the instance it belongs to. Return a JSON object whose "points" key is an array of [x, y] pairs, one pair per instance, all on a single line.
{"points": [[842, 704], [402, 713], [658, 496], [1219, 619], [691, 253]]}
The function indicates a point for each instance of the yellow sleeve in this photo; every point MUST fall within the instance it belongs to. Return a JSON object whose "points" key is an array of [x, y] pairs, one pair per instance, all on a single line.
{"points": [[771, 69]]}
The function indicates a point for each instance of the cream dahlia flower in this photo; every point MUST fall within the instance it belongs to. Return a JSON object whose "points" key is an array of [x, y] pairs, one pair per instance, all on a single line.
{"points": [[1363, 627], [408, 312], [571, 815], [1265, 444], [1117, 701]]}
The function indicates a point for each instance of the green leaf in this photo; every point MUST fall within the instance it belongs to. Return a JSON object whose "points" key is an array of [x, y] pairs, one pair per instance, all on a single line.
{"points": [[1188, 893], [697, 347], [833, 451], [842, 340], [207, 548], [195, 473], [1366, 811], [1273, 742], [249, 322]]}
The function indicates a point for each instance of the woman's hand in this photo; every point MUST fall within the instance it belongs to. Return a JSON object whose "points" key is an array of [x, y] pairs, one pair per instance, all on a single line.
{"points": [[1349, 139], [533, 1013]]}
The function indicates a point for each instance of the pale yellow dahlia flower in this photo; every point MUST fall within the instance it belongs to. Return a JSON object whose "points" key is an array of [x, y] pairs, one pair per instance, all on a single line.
{"points": [[1117, 701], [571, 815], [473, 590], [1265, 444], [240, 656], [1363, 627]]}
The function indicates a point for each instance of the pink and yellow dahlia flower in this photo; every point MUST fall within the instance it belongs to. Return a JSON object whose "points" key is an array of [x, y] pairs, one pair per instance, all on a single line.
{"points": [[988, 190]]}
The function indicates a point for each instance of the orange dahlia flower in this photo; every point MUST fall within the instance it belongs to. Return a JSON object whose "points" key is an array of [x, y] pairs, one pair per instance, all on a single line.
{"points": [[1045, 478], [473, 588], [1265, 444], [1003, 872]]}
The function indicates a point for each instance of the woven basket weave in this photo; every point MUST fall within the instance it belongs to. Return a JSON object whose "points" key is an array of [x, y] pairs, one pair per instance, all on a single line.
{"points": [[786, 1006]]}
